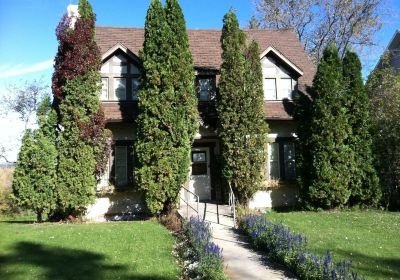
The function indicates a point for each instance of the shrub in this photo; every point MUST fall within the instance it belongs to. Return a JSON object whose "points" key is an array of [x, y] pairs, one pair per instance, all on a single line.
{"points": [[35, 174], [171, 221], [206, 254], [6, 175], [290, 249]]}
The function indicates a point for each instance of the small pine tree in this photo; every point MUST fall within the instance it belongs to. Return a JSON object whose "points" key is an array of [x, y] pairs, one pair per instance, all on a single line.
{"points": [[35, 174], [331, 157], [158, 145], [241, 124], [364, 182]]}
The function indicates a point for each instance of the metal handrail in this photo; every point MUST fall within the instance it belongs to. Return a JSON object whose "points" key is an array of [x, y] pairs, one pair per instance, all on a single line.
{"points": [[187, 202], [232, 204]]}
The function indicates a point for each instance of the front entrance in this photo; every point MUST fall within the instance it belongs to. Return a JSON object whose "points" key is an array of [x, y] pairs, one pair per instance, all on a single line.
{"points": [[200, 179]]}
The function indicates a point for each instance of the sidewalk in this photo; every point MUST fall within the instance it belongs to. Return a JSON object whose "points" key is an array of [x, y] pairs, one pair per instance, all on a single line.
{"points": [[242, 262]]}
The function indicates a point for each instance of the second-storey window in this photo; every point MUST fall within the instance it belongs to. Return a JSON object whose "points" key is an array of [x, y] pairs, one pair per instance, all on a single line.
{"points": [[120, 88], [135, 88], [270, 89], [285, 90]]}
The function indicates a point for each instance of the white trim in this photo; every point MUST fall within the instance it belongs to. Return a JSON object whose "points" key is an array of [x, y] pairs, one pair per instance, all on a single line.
{"points": [[121, 47], [281, 56]]}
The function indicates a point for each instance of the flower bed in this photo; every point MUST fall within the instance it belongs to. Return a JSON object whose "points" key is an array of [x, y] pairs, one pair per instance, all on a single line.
{"points": [[202, 258], [290, 249]]}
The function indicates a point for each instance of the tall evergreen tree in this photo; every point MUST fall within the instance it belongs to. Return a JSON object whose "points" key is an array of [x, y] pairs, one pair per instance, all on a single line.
{"points": [[364, 184], [35, 177], [383, 87], [241, 125], [186, 122], [164, 132], [331, 158], [83, 145]]}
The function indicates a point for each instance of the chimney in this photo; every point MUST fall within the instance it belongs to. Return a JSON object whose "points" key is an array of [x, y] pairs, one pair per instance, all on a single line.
{"points": [[73, 14]]}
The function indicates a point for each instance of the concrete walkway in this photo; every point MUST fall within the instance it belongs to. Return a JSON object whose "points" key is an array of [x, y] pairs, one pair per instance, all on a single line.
{"points": [[240, 260]]}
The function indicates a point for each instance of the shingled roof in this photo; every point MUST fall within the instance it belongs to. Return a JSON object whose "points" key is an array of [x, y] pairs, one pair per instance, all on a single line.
{"points": [[205, 45], [206, 50]]}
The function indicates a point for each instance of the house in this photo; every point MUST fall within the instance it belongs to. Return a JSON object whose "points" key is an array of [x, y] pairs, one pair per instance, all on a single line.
{"points": [[286, 70], [393, 49]]}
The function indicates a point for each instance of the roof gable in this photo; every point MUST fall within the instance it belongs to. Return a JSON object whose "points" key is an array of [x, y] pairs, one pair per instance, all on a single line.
{"points": [[206, 48]]}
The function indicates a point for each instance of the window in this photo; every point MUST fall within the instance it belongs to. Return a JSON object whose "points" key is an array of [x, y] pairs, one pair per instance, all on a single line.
{"points": [[273, 153], [120, 79], [199, 157], [206, 88], [135, 88], [285, 88], [270, 89], [289, 160], [119, 88], [121, 165], [104, 89], [199, 163], [282, 164]]}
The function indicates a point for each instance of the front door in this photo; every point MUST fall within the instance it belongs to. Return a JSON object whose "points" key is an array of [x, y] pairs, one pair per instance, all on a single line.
{"points": [[200, 182]]}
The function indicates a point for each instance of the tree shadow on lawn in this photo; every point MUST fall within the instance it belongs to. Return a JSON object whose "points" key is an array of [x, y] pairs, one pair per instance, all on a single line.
{"points": [[62, 264], [389, 268]]}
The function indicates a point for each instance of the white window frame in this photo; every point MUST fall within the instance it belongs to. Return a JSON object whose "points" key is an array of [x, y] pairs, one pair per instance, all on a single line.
{"points": [[276, 144], [107, 88]]}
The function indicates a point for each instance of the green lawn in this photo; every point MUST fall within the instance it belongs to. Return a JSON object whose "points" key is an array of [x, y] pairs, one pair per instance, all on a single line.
{"points": [[119, 250], [371, 239]]}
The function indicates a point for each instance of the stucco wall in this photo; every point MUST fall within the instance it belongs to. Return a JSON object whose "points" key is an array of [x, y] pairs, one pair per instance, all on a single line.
{"points": [[117, 203], [280, 197]]}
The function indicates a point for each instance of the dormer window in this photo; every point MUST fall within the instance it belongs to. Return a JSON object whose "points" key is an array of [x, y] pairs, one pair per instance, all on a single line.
{"points": [[120, 78], [278, 82], [205, 88]]}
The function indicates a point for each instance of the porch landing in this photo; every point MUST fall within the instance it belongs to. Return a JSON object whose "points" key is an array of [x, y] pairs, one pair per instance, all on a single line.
{"points": [[240, 261]]}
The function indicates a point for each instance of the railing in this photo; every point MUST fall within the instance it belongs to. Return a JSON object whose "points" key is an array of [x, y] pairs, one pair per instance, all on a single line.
{"points": [[232, 204], [187, 202]]}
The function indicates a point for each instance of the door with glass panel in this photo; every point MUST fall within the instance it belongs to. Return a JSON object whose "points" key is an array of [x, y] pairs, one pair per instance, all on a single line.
{"points": [[200, 179]]}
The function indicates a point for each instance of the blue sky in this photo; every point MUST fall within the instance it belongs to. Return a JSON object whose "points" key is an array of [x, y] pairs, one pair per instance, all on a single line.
{"points": [[28, 43]]}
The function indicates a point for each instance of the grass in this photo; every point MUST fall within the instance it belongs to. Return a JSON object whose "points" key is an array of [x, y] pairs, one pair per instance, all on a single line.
{"points": [[371, 239], [119, 250]]}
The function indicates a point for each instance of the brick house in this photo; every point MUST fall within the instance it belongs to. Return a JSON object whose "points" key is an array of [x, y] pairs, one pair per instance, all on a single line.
{"points": [[286, 70]]}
